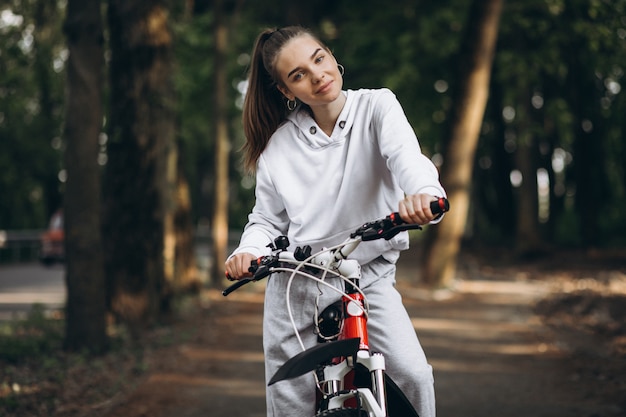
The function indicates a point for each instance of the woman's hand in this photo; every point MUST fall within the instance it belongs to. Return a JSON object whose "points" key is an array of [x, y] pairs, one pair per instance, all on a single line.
{"points": [[415, 208], [237, 266]]}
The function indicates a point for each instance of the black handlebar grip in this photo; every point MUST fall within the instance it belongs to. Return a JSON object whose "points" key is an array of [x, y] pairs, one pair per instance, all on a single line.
{"points": [[440, 206], [437, 207]]}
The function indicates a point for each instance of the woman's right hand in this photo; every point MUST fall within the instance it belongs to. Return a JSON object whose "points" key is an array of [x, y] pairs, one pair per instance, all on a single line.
{"points": [[237, 265]]}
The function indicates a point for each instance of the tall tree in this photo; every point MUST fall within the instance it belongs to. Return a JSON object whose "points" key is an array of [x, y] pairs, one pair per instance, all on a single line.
{"points": [[475, 63], [86, 309], [528, 238], [181, 275], [584, 94], [222, 145], [48, 18], [141, 129]]}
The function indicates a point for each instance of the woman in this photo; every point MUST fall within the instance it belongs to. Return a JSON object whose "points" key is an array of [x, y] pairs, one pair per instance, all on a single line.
{"points": [[326, 161]]}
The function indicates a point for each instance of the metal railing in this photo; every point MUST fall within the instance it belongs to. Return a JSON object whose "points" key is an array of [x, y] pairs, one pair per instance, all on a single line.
{"points": [[20, 245], [25, 245]]}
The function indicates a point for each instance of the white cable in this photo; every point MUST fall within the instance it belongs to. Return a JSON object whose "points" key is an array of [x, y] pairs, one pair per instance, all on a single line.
{"points": [[325, 270], [297, 270]]}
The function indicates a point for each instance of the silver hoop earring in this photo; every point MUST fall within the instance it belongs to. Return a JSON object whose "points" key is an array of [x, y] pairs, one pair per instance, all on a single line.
{"points": [[342, 70], [291, 104]]}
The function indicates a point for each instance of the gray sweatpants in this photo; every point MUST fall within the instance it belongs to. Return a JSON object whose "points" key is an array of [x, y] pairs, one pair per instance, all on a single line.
{"points": [[389, 329]]}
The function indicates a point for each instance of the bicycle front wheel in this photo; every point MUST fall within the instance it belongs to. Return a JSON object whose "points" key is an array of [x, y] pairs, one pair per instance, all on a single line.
{"points": [[343, 412]]}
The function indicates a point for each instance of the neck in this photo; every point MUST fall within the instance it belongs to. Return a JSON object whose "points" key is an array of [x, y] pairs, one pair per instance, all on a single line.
{"points": [[326, 116]]}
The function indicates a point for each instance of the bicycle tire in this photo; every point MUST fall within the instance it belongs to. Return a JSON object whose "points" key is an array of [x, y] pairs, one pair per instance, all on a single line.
{"points": [[343, 412]]}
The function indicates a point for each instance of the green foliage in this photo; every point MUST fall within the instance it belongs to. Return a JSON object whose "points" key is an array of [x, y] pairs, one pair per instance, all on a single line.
{"points": [[194, 83], [407, 48], [32, 337], [568, 230], [566, 56], [193, 80], [567, 59], [31, 98]]}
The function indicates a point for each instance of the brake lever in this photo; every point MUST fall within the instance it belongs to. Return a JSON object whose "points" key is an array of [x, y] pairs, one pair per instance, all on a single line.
{"points": [[388, 232], [236, 285], [260, 268]]}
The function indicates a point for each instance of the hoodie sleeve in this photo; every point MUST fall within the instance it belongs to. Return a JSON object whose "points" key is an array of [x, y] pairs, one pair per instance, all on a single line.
{"points": [[268, 218], [398, 144]]}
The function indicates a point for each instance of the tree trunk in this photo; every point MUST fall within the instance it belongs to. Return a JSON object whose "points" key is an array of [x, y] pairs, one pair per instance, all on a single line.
{"points": [[475, 63], [169, 233], [222, 149], [528, 242], [86, 309], [502, 211], [46, 17], [588, 161], [186, 275], [528, 237], [141, 132], [181, 274]]}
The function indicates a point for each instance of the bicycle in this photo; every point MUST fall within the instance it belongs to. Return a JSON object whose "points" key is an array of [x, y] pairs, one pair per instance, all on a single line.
{"points": [[350, 378]]}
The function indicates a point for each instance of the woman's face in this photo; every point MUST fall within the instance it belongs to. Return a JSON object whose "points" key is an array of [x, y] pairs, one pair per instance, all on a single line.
{"points": [[308, 72]]}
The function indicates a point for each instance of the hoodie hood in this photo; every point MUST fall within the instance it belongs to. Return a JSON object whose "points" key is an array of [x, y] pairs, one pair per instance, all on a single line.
{"points": [[309, 132]]}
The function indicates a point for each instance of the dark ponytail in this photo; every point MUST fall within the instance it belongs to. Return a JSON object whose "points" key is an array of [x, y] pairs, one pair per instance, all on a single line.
{"points": [[264, 107]]}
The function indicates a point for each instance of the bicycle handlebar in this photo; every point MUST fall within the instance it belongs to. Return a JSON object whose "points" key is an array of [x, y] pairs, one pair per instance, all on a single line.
{"points": [[385, 228], [260, 268], [393, 224]]}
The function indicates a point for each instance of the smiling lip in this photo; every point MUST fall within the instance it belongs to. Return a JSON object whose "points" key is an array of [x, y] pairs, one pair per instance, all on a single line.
{"points": [[324, 88]]}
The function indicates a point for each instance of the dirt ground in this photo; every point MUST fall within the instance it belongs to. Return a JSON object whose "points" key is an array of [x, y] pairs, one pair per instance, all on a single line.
{"points": [[542, 338]]}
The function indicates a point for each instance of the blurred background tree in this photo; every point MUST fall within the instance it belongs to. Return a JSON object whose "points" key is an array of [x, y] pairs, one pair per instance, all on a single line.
{"points": [[136, 185], [84, 273], [474, 62]]}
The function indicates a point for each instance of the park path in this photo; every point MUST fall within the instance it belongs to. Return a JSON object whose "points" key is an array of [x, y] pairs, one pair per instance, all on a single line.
{"points": [[491, 356]]}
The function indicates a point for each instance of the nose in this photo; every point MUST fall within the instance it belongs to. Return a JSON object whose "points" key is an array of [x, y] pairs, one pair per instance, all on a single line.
{"points": [[318, 76]]}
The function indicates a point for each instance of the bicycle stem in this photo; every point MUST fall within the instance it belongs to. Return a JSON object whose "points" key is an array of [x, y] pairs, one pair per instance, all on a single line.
{"points": [[346, 249]]}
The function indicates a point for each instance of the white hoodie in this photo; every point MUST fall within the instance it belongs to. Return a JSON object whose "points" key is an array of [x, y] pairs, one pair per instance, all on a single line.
{"points": [[316, 189]]}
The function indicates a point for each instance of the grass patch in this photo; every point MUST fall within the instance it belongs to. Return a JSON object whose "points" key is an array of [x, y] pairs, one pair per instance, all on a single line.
{"points": [[39, 379], [31, 337]]}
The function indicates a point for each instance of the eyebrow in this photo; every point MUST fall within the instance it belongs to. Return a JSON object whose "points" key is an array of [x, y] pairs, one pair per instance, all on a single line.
{"points": [[298, 68]]}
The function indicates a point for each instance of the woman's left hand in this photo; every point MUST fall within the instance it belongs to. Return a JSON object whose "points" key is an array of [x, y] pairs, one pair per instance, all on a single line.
{"points": [[415, 208]]}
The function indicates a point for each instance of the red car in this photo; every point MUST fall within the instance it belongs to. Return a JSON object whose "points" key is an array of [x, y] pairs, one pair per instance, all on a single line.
{"points": [[52, 241]]}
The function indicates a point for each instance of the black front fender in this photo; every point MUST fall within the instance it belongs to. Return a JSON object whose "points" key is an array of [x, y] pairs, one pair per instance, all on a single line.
{"points": [[312, 358]]}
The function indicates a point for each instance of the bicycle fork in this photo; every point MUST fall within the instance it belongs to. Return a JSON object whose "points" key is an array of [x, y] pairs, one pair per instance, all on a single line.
{"points": [[337, 384], [338, 380]]}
